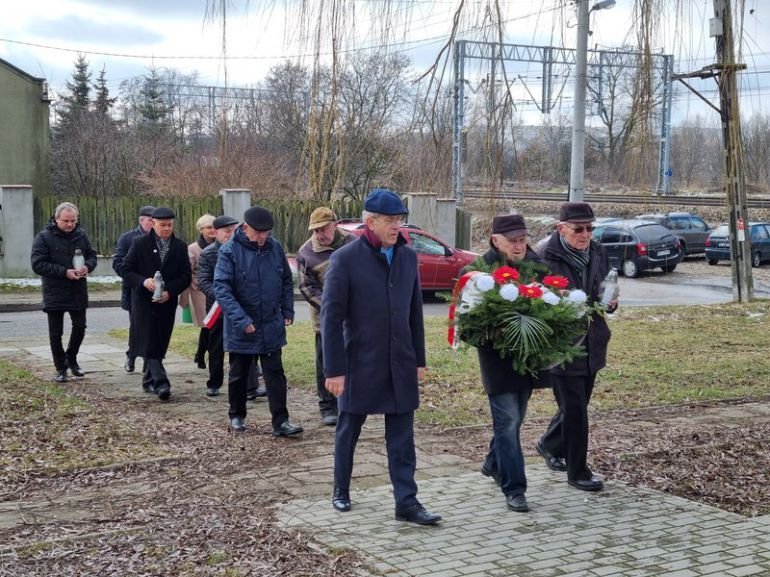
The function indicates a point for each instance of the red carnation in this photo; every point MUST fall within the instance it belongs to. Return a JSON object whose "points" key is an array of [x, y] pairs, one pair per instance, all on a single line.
{"points": [[559, 282], [505, 274], [531, 291]]}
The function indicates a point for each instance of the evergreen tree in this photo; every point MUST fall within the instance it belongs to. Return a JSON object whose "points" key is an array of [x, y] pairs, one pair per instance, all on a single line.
{"points": [[79, 89], [153, 108], [103, 102]]}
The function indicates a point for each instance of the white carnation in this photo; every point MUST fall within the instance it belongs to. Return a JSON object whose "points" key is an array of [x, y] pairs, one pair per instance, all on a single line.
{"points": [[509, 292], [577, 297], [550, 298], [484, 282]]}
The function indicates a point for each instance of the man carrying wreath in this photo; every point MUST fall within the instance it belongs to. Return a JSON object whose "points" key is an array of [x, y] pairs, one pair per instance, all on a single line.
{"points": [[570, 252]]}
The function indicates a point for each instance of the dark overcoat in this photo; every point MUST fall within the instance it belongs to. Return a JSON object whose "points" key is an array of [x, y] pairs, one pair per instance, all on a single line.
{"points": [[52, 252], [253, 285], [497, 374], [598, 336], [121, 250], [207, 263], [154, 322], [372, 327]]}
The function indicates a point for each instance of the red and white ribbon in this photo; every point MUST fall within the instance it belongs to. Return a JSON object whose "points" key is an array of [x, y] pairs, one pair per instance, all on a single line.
{"points": [[453, 336]]}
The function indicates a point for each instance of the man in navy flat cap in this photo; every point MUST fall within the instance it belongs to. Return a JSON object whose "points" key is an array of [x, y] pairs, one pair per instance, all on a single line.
{"points": [[157, 251], [374, 349]]}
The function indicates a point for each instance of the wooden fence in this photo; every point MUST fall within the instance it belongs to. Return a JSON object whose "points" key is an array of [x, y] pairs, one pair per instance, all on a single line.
{"points": [[105, 219]]}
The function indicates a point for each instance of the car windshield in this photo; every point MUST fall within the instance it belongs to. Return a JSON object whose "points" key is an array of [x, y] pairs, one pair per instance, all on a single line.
{"points": [[721, 230], [648, 232]]}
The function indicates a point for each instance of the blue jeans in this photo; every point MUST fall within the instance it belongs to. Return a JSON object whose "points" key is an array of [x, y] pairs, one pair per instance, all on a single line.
{"points": [[505, 456]]}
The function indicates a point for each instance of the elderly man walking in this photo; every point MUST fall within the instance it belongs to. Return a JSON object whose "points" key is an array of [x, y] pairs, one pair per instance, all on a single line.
{"points": [[121, 250], [312, 264], [253, 285], [374, 349], [154, 305], [63, 256], [570, 252]]}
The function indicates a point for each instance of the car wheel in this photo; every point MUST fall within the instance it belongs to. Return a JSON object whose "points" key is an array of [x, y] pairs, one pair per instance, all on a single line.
{"points": [[713, 261], [669, 268], [630, 270], [756, 260], [683, 246]]}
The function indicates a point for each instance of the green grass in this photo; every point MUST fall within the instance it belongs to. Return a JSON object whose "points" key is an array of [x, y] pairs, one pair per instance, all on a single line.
{"points": [[657, 356]]}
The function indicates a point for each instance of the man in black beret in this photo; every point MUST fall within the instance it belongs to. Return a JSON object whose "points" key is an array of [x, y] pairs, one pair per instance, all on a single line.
{"points": [[121, 250], [159, 251], [253, 285], [572, 253]]}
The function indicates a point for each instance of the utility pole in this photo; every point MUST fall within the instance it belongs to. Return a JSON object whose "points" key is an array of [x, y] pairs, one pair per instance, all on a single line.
{"points": [[577, 163], [726, 68]]}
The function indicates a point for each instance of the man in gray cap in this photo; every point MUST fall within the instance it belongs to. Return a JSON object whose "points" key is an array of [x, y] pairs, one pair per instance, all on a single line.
{"points": [[571, 252], [121, 250], [153, 306], [374, 349], [253, 285]]}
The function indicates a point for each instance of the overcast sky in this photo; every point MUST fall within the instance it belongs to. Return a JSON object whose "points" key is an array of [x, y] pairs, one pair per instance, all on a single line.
{"points": [[127, 37]]}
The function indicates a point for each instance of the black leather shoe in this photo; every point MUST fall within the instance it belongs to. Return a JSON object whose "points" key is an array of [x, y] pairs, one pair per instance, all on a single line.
{"points": [[487, 472], [260, 392], [61, 376], [517, 503], [212, 392], [75, 369], [341, 500], [148, 388], [417, 514], [237, 424], [129, 364], [287, 429], [163, 392], [552, 462], [592, 484], [329, 420]]}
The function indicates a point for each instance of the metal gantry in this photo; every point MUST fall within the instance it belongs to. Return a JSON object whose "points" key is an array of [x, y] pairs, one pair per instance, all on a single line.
{"points": [[598, 62]]}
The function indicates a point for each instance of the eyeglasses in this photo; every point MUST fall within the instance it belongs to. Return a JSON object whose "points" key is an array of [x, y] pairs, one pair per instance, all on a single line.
{"points": [[392, 220], [580, 229]]}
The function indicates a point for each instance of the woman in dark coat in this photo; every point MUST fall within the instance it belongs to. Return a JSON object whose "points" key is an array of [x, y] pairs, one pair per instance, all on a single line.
{"points": [[158, 250], [507, 390], [65, 288]]}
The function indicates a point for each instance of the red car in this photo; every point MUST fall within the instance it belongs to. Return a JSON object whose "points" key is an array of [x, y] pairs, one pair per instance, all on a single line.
{"points": [[439, 263]]}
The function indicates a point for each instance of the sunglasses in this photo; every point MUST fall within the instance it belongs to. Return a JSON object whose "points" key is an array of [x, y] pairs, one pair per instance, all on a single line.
{"points": [[581, 229]]}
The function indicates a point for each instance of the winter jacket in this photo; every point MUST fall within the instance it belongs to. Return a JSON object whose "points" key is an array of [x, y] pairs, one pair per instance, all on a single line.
{"points": [[312, 264], [121, 250], [598, 336], [372, 327], [52, 252], [253, 285], [207, 263]]}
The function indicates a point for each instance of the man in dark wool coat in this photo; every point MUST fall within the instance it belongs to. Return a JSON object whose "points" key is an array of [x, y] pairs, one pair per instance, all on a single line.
{"points": [[374, 349], [158, 250]]}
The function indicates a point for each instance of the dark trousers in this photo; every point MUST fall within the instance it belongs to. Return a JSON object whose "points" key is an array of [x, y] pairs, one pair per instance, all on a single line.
{"points": [[275, 382], [216, 356], [567, 434], [326, 401], [505, 455], [61, 358], [203, 345], [154, 374], [131, 337], [399, 442]]}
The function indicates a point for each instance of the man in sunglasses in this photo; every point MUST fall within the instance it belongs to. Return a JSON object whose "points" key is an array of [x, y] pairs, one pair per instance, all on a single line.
{"points": [[572, 253]]}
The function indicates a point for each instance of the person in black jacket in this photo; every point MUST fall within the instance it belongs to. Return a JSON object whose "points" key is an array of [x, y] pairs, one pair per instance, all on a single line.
{"points": [[508, 391], [121, 250], [158, 250], [65, 288], [570, 252]]}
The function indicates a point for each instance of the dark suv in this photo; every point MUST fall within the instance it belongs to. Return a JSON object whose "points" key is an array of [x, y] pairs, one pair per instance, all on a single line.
{"points": [[633, 246], [691, 230]]}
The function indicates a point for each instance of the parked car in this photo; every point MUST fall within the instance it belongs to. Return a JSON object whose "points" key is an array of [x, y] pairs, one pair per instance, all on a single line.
{"points": [[639, 245], [439, 263], [718, 243], [691, 230]]}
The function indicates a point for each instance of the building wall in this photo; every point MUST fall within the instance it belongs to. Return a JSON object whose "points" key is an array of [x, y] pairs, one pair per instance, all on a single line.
{"points": [[24, 136]]}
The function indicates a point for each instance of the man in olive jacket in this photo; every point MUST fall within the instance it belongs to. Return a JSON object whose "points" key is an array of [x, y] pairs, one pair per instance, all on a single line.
{"points": [[158, 250], [65, 288], [374, 349], [570, 252]]}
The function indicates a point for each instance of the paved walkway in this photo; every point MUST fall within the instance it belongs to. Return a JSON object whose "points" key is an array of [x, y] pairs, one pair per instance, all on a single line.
{"points": [[622, 531]]}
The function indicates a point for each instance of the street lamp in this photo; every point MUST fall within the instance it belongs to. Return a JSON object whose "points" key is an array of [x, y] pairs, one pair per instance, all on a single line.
{"points": [[577, 165]]}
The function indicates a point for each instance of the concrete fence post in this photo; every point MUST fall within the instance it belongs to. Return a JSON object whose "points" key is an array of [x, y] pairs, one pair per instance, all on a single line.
{"points": [[17, 230], [235, 201]]}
